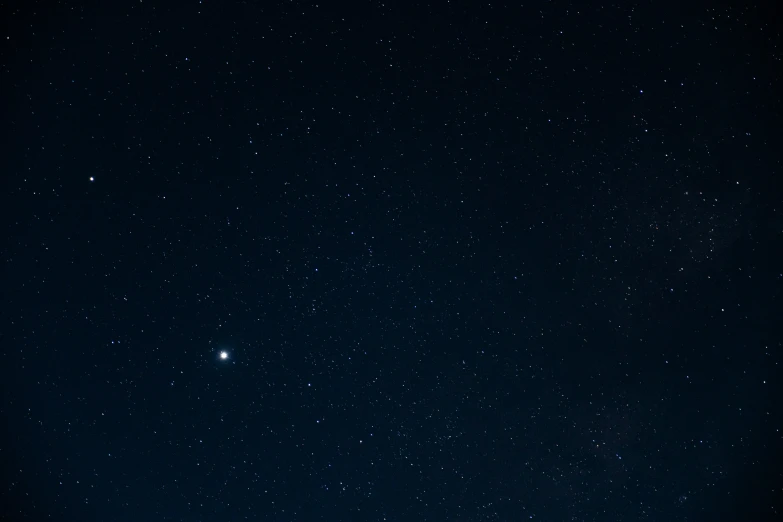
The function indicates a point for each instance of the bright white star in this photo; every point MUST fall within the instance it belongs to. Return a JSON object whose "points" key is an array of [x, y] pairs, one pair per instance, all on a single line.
{"points": [[223, 355]]}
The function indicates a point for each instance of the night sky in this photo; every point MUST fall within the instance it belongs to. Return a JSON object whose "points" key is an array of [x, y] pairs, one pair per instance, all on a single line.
{"points": [[447, 261]]}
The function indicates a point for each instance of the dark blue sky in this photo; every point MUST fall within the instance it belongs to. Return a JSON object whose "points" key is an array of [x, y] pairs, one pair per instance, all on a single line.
{"points": [[469, 261]]}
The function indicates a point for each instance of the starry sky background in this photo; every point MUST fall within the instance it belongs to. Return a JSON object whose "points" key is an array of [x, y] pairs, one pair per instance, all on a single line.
{"points": [[470, 261]]}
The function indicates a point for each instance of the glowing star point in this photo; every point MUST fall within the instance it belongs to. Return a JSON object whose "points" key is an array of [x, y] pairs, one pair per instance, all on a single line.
{"points": [[223, 355]]}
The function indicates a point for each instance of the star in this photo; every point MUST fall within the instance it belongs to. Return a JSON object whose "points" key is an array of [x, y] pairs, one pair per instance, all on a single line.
{"points": [[223, 355]]}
